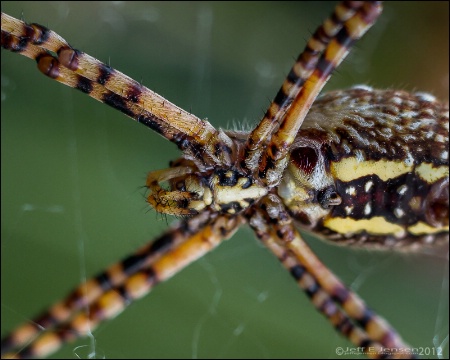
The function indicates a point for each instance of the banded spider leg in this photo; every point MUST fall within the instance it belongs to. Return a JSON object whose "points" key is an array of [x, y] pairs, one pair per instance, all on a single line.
{"points": [[161, 166]]}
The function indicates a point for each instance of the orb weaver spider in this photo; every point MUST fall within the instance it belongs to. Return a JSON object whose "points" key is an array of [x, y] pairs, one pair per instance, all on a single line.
{"points": [[125, 213]]}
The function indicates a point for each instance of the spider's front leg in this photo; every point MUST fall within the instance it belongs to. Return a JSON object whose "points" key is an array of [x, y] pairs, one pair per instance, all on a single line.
{"points": [[268, 145], [57, 59]]}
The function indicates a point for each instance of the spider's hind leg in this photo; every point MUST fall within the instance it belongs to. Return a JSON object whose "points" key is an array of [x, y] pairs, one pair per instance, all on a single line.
{"points": [[106, 295], [345, 310]]}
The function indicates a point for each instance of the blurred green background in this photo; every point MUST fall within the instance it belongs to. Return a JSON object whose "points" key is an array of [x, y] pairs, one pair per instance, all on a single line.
{"points": [[72, 171]]}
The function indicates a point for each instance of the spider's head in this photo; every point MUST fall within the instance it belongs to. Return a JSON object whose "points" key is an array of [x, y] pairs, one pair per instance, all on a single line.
{"points": [[307, 189], [189, 191]]}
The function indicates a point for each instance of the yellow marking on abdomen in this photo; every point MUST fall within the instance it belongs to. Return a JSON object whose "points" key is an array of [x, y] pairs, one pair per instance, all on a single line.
{"points": [[349, 169], [421, 228], [431, 174], [376, 225]]}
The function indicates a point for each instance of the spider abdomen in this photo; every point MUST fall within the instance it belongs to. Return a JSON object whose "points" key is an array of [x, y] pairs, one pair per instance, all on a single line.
{"points": [[385, 154]]}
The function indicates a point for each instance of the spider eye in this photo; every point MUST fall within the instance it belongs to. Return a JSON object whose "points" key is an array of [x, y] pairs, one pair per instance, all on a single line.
{"points": [[328, 197]]}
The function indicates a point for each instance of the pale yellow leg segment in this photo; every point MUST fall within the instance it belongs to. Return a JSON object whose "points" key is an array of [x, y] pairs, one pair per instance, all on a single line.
{"points": [[113, 277], [114, 301], [376, 327], [321, 300], [299, 73], [273, 225], [274, 158], [114, 88]]}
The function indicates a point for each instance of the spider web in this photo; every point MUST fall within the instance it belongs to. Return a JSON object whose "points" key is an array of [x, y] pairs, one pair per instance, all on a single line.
{"points": [[72, 171]]}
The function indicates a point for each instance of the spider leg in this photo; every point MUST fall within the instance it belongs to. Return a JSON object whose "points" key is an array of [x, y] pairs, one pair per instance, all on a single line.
{"points": [[303, 68], [106, 295], [329, 45], [103, 83], [344, 309], [275, 157], [321, 300]]}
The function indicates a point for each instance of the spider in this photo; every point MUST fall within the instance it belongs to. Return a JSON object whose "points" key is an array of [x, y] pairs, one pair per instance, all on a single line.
{"points": [[125, 218]]}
